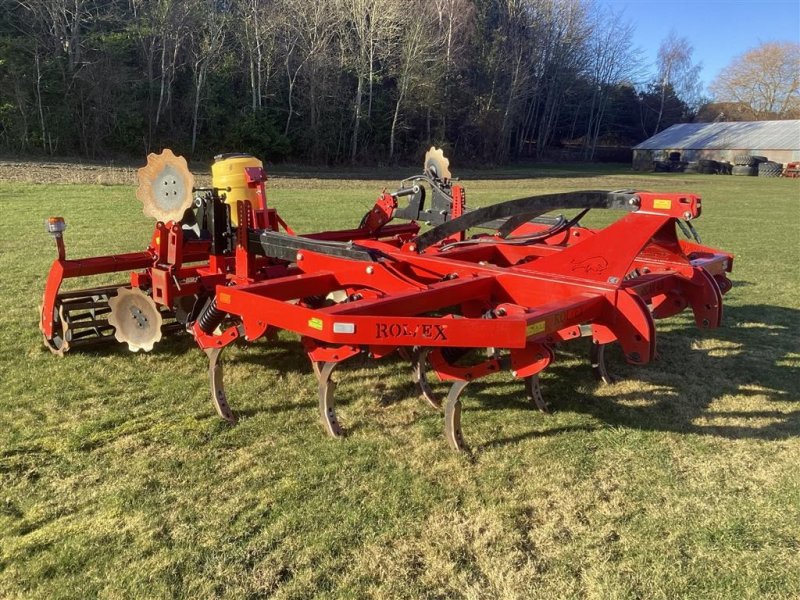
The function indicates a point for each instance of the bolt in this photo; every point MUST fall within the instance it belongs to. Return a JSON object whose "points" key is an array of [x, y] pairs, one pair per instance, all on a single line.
{"points": [[412, 247], [687, 215], [514, 373], [613, 280], [370, 270], [299, 257]]}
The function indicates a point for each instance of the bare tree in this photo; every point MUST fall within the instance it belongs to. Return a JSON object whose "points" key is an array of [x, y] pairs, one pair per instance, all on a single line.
{"points": [[307, 32], [561, 33], [416, 53], [165, 28], [678, 71], [765, 79], [64, 21], [57, 26], [455, 24], [612, 60], [365, 36], [259, 42], [207, 36]]}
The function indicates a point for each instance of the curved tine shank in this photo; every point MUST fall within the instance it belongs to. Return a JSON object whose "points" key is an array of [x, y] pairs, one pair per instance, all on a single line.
{"points": [[452, 417], [419, 375], [597, 355], [534, 390], [218, 397], [327, 387]]}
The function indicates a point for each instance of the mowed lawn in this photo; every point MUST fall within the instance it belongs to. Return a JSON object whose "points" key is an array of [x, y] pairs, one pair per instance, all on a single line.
{"points": [[680, 481]]}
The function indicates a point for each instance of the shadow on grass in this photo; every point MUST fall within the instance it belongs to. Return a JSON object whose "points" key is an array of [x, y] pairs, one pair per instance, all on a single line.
{"points": [[751, 355], [753, 358]]}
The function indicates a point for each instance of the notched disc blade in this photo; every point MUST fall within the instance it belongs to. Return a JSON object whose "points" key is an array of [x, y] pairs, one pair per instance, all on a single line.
{"points": [[165, 186], [135, 318], [437, 164]]}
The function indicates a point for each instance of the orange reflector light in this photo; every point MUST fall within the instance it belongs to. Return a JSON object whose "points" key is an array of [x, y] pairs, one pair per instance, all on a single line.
{"points": [[55, 225]]}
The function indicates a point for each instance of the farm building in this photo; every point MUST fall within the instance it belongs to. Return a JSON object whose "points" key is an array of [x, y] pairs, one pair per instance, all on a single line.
{"points": [[779, 141]]}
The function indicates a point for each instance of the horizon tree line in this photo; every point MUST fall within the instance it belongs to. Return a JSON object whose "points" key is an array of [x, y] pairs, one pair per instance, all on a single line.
{"points": [[331, 81]]}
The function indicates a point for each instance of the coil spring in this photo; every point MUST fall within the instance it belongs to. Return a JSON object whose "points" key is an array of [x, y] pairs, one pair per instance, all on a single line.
{"points": [[211, 317]]}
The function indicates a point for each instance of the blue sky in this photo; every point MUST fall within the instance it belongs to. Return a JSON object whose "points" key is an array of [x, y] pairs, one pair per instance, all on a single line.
{"points": [[718, 30]]}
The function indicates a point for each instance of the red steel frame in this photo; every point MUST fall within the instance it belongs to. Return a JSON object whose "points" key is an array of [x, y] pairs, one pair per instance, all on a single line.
{"points": [[518, 299]]}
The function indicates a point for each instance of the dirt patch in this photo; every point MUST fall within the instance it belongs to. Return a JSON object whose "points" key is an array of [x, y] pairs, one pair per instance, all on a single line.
{"points": [[66, 172], [54, 172]]}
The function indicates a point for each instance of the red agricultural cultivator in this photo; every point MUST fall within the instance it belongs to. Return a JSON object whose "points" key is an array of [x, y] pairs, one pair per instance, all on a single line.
{"points": [[224, 266]]}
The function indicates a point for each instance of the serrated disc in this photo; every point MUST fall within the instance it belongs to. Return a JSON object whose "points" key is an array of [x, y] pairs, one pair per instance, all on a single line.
{"points": [[436, 164], [165, 186], [135, 318]]}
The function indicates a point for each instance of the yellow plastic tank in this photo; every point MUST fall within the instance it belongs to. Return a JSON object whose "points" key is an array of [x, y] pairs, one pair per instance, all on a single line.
{"points": [[227, 174]]}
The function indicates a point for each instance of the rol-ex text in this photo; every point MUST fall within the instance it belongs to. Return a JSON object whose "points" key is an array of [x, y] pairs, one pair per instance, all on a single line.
{"points": [[398, 330]]}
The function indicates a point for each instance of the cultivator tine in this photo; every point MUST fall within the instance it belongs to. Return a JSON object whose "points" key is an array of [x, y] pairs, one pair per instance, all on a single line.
{"points": [[452, 417], [419, 376], [315, 368], [597, 356], [218, 397], [327, 387], [534, 390]]}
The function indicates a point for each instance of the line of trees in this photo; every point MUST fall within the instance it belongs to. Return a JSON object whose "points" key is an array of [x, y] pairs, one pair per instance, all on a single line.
{"points": [[329, 80]]}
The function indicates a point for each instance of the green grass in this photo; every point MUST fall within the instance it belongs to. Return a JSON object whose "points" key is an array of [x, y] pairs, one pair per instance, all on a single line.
{"points": [[681, 481]]}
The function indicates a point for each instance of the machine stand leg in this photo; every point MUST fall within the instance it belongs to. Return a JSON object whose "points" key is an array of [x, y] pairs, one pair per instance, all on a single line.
{"points": [[218, 397]]}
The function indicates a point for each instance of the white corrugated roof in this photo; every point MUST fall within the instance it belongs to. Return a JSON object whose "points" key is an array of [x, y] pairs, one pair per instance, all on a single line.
{"points": [[743, 135]]}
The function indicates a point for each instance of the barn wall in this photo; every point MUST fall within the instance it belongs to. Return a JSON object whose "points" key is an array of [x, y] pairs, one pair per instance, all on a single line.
{"points": [[643, 160]]}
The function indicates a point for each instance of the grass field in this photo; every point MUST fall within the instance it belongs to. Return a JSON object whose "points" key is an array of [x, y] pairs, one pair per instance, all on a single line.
{"points": [[680, 481]]}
